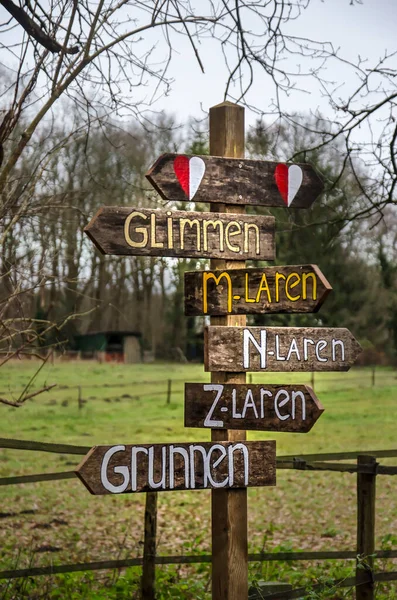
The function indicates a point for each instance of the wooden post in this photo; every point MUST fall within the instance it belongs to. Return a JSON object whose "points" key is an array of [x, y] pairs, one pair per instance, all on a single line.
{"points": [[79, 398], [366, 490], [373, 376], [169, 391], [228, 507], [148, 589]]}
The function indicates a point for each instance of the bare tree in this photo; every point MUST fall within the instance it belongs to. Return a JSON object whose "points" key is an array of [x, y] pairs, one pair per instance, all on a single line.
{"points": [[85, 64]]}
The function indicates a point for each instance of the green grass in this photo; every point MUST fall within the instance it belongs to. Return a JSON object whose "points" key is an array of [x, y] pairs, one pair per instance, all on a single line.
{"points": [[304, 511]]}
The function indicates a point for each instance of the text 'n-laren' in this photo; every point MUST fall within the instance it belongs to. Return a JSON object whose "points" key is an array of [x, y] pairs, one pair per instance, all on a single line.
{"points": [[301, 349], [238, 349]]}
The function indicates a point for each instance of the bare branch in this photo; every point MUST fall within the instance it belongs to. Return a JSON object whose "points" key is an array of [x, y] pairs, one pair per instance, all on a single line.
{"points": [[34, 30]]}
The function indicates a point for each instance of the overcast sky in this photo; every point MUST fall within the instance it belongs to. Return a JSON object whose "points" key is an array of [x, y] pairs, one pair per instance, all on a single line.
{"points": [[366, 30]]}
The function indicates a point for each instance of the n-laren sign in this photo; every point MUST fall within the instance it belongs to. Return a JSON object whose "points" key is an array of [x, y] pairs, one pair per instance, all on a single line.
{"points": [[144, 232], [237, 349], [167, 467], [296, 289], [260, 407]]}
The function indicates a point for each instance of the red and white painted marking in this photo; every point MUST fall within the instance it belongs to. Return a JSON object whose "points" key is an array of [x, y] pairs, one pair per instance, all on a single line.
{"points": [[189, 173], [288, 180]]}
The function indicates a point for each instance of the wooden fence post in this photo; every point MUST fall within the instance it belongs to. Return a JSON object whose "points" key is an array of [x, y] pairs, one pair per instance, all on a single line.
{"points": [[148, 582], [366, 494], [228, 507], [373, 376], [169, 391], [79, 398]]}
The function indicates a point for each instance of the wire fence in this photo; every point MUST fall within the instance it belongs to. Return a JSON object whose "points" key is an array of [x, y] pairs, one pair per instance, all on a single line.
{"points": [[366, 468], [169, 388], [172, 387]]}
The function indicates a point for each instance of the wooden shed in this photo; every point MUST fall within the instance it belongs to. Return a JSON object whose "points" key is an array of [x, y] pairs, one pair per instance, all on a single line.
{"points": [[111, 346]]}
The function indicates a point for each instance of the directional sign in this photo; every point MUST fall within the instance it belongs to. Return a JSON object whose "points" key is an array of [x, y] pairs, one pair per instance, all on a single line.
{"points": [[291, 408], [167, 467], [292, 289], [279, 349], [234, 181], [138, 231]]}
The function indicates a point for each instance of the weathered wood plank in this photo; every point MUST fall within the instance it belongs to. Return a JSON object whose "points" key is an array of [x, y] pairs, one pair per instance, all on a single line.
{"points": [[229, 508], [138, 231], [286, 289], [279, 349], [163, 467], [288, 408], [234, 181]]}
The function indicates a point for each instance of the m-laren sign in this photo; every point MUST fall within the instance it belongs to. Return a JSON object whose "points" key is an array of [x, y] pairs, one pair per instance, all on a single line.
{"points": [[286, 289], [161, 467], [144, 232], [288, 408], [234, 181], [238, 349]]}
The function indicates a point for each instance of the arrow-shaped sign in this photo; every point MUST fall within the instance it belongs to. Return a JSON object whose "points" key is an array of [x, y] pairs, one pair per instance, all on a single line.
{"points": [[144, 232], [238, 349], [291, 289], [289, 408], [234, 181], [168, 467]]}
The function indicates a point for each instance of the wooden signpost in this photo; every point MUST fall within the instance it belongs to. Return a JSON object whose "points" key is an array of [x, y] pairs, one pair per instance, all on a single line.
{"points": [[292, 289], [279, 349], [227, 292], [229, 511], [288, 408], [142, 232], [170, 467], [234, 180]]}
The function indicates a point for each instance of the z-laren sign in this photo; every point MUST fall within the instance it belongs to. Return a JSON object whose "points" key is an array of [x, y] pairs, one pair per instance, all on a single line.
{"points": [[239, 349], [161, 467], [289, 408]]}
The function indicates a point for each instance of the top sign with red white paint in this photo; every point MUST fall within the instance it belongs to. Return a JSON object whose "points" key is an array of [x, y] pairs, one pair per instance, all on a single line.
{"points": [[234, 181]]}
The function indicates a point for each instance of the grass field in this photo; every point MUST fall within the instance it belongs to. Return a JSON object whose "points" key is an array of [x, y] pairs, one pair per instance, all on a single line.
{"points": [[60, 522]]}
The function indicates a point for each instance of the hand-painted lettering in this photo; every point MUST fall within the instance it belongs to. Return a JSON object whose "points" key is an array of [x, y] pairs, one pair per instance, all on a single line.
{"points": [[210, 275], [247, 298], [218, 388], [159, 467], [165, 230], [263, 287], [255, 228], [292, 285], [229, 234], [141, 230], [261, 347], [114, 489]]}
